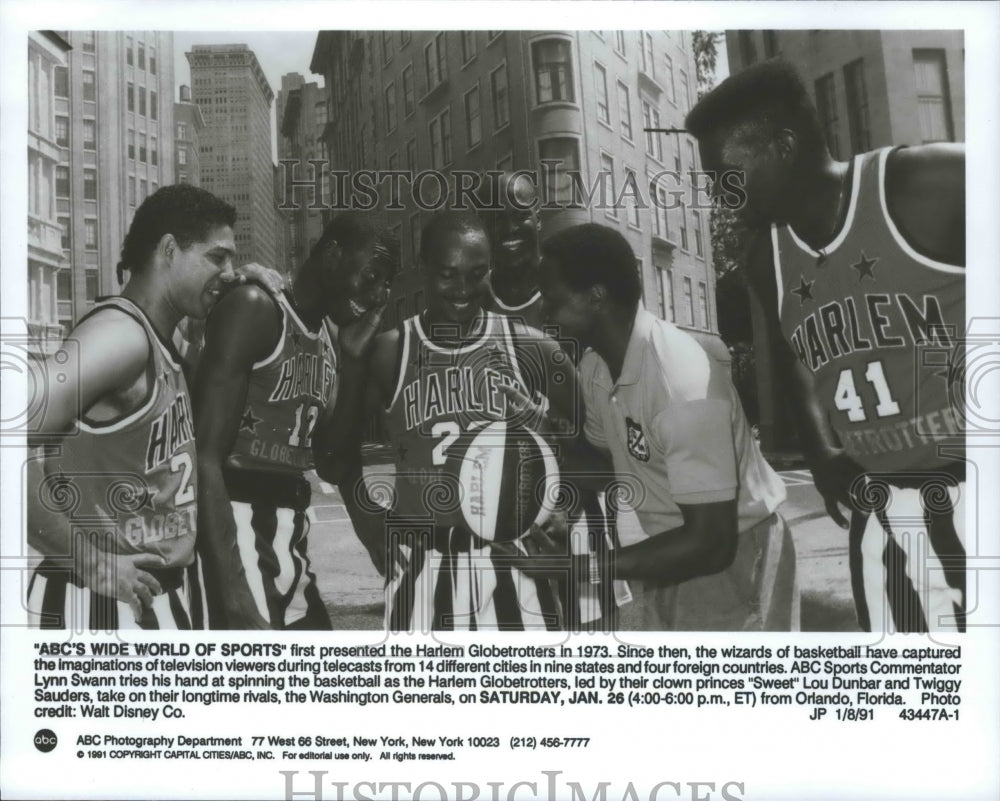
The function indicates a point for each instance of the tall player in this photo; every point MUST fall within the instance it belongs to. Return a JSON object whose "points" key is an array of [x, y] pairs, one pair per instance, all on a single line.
{"points": [[455, 580], [125, 466], [266, 375], [716, 555], [859, 265]]}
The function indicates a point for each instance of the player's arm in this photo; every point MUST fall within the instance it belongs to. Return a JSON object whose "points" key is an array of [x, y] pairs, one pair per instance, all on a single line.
{"points": [[242, 329], [925, 192], [833, 471], [338, 433], [367, 516], [106, 354]]}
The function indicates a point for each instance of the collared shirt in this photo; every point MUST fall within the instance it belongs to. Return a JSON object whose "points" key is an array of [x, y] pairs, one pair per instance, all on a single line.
{"points": [[675, 429]]}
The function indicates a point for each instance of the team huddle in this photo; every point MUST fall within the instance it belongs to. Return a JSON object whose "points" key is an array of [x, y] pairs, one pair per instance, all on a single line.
{"points": [[173, 490]]}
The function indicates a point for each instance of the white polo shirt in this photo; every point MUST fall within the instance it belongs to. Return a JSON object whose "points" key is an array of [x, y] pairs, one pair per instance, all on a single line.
{"points": [[675, 429]]}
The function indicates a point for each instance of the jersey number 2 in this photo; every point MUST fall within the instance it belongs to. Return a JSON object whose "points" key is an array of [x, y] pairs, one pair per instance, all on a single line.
{"points": [[846, 397], [185, 492]]}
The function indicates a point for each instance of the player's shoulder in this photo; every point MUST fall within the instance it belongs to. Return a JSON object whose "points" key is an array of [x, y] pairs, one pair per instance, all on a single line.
{"points": [[247, 300], [114, 332], [935, 169], [681, 368]]}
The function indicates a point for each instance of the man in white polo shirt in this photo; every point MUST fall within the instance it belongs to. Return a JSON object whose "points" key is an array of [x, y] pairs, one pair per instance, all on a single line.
{"points": [[713, 554]]}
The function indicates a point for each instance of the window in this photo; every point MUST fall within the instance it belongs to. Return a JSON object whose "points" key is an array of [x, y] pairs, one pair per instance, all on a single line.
{"points": [[411, 155], [685, 92], [62, 131], [131, 189], [89, 135], [142, 190], [130, 97], [182, 130], [89, 41], [698, 246], [671, 91], [651, 119], [182, 178], [142, 56], [152, 60], [90, 234], [933, 100], [142, 101], [826, 105], [67, 238], [131, 144], [646, 62], [440, 133], [89, 89], [64, 288], [692, 163], [748, 50], [61, 75], [625, 111], [154, 153], [620, 42], [553, 70], [857, 106], [142, 148], [608, 184], [468, 46], [703, 303], [501, 101], [631, 199], [563, 156], [689, 300], [409, 102], [182, 157], [667, 294], [601, 84], [93, 284], [129, 59], [435, 59], [153, 114], [390, 106], [770, 44], [658, 210], [473, 117], [89, 184], [684, 225]]}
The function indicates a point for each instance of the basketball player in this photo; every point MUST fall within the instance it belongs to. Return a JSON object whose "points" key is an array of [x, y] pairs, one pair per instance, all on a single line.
{"points": [[511, 215], [858, 266], [716, 555], [267, 373], [126, 466], [452, 579]]}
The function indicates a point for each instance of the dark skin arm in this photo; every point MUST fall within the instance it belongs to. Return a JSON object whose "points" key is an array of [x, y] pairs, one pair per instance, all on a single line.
{"points": [[925, 192], [833, 471], [242, 329]]}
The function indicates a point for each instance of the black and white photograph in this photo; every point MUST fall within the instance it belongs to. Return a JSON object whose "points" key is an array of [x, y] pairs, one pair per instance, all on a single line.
{"points": [[617, 379]]}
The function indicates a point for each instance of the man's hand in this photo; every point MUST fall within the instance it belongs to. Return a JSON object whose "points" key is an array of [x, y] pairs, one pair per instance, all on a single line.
{"points": [[122, 577], [522, 410], [357, 338], [544, 552], [834, 473], [270, 279]]}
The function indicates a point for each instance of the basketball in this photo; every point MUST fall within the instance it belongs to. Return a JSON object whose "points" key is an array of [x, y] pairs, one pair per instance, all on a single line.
{"points": [[509, 480]]}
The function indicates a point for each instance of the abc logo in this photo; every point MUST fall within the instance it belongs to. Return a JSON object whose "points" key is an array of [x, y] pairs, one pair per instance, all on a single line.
{"points": [[45, 740]]}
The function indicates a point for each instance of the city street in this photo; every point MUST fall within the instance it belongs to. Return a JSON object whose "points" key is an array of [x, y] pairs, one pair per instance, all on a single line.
{"points": [[352, 588]]}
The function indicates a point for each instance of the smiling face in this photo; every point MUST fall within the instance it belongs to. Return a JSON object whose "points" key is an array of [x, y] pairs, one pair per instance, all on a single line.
{"points": [[514, 229], [356, 282], [457, 277], [200, 272]]}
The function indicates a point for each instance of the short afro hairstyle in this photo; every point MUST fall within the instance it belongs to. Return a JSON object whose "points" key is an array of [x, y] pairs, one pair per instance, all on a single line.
{"points": [[590, 254], [767, 96], [353, 231], [446, 222], [188, 212]]}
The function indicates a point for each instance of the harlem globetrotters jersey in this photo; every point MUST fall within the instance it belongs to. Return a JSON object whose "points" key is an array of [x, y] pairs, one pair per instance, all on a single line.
{"points": [[135, 474], [441, 394], [530, 313], [287, 392], [878, 325]]}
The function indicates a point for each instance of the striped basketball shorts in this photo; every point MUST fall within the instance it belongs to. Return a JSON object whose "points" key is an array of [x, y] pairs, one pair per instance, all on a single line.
{"points": [[757, 592], [273, 543], [58, 600], [448, 581], [907, 560]]}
